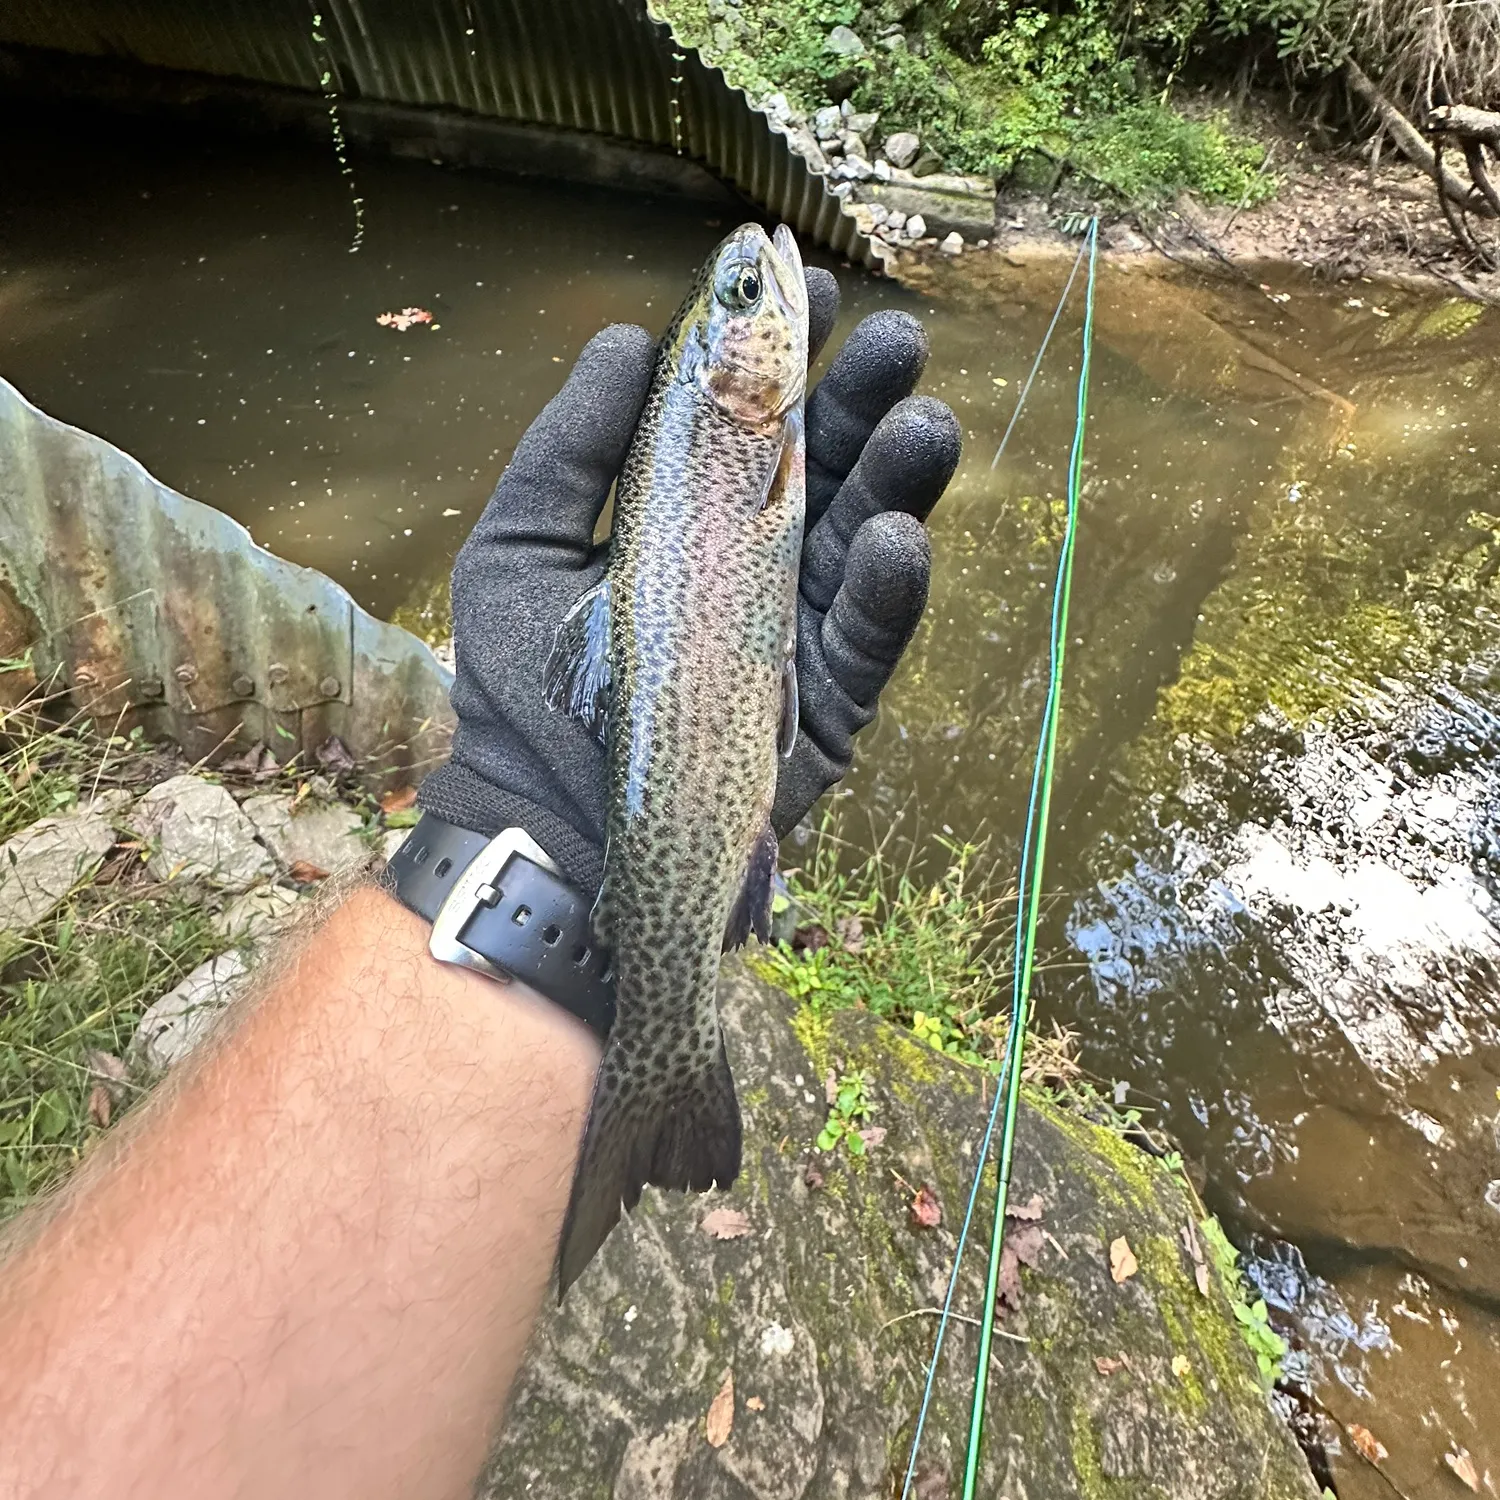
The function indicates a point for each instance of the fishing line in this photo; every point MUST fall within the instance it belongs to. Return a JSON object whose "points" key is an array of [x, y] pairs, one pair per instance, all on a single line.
{"points": [[1028, 902], [1036, 364]]}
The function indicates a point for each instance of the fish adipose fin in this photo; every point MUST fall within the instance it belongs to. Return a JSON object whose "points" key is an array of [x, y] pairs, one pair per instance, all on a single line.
{"points": [[688, 1139], [576, 677], [751, 911]]}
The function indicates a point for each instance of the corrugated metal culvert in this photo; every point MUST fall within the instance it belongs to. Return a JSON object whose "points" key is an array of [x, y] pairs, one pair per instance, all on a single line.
{"points": [[601, 66]]}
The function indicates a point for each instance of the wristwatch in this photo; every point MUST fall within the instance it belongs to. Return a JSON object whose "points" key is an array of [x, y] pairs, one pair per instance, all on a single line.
{"points": [[501, 907]]}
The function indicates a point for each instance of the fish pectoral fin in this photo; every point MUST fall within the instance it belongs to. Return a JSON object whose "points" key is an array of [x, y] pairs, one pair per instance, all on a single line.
{"points": [[576, 677], [751, 911], [791, 707], [687, 1136]]}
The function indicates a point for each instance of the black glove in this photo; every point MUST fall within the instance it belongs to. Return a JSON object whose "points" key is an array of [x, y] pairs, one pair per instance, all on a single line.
{"points": [[878, 458]]}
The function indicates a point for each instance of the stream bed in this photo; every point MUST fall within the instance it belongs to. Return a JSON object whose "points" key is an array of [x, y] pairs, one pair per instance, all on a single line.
{"points": [[1276, 849]]}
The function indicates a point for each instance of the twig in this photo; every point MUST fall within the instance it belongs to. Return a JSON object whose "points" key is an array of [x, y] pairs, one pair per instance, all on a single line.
{"points": [[919, 1312]]}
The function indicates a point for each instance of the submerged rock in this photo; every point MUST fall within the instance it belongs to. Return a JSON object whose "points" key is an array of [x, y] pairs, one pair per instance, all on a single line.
{"points": [[197, 832], [819, 1302]]}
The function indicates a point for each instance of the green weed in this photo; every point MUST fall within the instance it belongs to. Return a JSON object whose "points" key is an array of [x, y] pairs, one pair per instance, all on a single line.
{"points": [[1252, 1318], [847, 1115]]}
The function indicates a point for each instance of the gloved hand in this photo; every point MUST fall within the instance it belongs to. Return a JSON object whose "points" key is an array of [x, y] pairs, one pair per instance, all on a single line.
{"points": [[878, 458]]}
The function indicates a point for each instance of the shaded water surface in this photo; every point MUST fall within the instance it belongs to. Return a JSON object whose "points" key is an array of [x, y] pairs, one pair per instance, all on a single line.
{"points": [[1278, 817]]}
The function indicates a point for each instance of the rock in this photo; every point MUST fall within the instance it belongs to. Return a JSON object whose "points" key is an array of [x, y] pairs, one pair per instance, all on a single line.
{"points": [[40, 865], [952, 244], [916, 226], [853, 169], [945, 202], [805, 144], [324, 835], [854, 145], [895, 42], [177, 1022], [861, 123], [258, 913], [895, 219], [390, 841], [812, 1312], [827, 122], [1123, 239], [879, 213], [196, 832], [901, 148], [926, 164], [842, 42], [882, 170]]}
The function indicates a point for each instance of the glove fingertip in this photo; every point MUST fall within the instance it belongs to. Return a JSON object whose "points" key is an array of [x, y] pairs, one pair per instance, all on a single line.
{"points": [[888, 573], [822, 308]]}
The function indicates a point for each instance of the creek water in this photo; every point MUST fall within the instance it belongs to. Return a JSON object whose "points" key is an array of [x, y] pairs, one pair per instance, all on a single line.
{"points": [[1277, 834]]}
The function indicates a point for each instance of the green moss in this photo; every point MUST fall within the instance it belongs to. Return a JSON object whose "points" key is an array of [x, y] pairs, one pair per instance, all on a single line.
{"points": [[726, 1290], [812, 1031], [1092, 1484]]}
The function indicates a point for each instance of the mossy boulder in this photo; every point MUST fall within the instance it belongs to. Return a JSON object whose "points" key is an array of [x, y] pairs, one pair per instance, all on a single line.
{"points": [[818, 1310]]}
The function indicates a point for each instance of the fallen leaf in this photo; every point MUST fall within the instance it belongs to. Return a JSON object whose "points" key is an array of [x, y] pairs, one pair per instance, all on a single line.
{"points": [[720, 1421], [755, 1404], [1370, 1446], [333, 755], [305, 873], [111, 1072], [872, 1135], [926, 1211], [398, 799], [725, 1224], [931, 1484], [1023, 1248], [257, 761], [812, 1176], [851, 933], [1106, 1365], [1026, 1211], [830, 1087], [1200, 1275], [1122, 1262], [99, 1105], [1189, 1237], [406, 318], [1463, 1466], [1180, 1366]]}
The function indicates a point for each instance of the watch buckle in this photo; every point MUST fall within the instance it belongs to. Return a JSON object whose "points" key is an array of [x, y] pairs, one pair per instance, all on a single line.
{"points": [[480, 885]]}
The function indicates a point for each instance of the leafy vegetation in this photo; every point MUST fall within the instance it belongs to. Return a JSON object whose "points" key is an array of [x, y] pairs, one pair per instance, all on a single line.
{"points": [[997, 87], [847, 1115], [1252, 1318]]}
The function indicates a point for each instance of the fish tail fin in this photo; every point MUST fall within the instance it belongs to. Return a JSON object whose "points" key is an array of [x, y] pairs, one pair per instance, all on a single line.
{"points": [[688, 1140]]}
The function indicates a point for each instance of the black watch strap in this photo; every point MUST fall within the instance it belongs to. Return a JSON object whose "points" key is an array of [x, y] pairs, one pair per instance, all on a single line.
{"points": [[499, 906]]}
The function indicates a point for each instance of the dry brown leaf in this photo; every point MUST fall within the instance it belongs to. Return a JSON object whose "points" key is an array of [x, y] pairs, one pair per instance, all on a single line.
{"points": [[725, 1224], [1462, 1465], [398, 799], [1107, 1365], [99, 1105], [830, 1087], [1200, 1275], [720, 1422], [408, 317], [932, 1484], [111, 1072], [1023, 1248], [755, 1404], [1028, 1242], [872, 1136], [304, 872], [1180, 1366], [926, 1211], [1369, 1445], [1026, 1212], [1122, 1262], [1190, 1243], [812, 1177]]}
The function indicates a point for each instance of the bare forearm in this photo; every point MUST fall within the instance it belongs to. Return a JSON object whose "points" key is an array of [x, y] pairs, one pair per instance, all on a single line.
{"points": [[313, 1268]]}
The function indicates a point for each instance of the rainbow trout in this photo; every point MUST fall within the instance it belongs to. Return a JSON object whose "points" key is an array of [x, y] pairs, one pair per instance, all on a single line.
{"points": [[683, 659]]}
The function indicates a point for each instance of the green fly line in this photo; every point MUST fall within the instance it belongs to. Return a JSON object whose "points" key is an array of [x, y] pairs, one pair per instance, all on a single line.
{"points": [[1028, 904]]}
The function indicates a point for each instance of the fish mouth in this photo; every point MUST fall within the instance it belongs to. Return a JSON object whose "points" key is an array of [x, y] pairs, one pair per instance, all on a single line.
{"points": [[789, 275]]}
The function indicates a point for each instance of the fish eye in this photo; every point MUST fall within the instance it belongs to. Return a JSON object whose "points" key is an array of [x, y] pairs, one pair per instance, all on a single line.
{"points": [[740, 288]]}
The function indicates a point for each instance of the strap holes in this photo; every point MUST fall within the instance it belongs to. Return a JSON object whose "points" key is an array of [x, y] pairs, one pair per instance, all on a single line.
{"points": [[521, 916], [609, 972], [442, 867], [420, 857], [581, 955], [551, 933]]}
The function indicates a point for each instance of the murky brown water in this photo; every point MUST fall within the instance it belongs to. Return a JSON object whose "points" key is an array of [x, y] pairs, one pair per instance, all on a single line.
{"points": [[1277, 848]]}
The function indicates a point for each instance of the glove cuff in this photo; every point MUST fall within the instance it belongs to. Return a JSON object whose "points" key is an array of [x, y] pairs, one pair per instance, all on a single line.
{"points": [[456, 795]]}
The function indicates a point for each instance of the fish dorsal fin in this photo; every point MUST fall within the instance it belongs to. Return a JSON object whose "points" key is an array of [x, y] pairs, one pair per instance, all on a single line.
{"points": [[751, 911], [576, 677]]}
